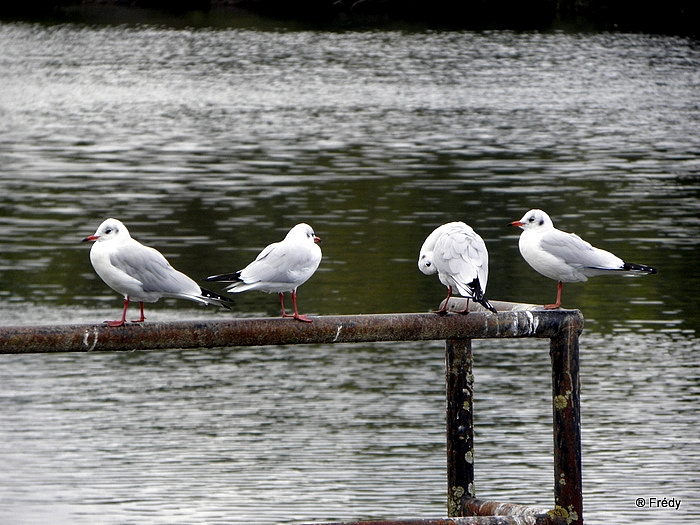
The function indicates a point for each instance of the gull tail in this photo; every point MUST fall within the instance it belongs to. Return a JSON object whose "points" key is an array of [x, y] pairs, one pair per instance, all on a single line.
{"points": [[239, 285], [225, 277], [631, 267]]}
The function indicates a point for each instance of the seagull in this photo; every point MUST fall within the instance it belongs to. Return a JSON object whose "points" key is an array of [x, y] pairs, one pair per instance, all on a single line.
{"points": [[140, 273], [565, 257], [281, 267], [458, 255]]}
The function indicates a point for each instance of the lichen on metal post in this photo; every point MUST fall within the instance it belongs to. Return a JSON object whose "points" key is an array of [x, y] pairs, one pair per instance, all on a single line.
{"points": [[460, 425], [564, 352]]}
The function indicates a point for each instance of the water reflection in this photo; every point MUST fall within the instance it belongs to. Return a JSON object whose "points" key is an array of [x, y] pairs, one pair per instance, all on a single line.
{"points": [[341, 432], [210, 144]]}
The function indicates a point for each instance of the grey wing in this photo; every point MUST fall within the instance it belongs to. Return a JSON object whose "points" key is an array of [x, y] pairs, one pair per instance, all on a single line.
{"points": [[265, 267], [153, 271], [277, 263], [576, 252]]}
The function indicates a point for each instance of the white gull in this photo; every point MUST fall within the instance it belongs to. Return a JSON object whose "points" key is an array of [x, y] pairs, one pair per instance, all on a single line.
{"points": [[140, 273], [565, 257], [458, 255], [281, 267]]}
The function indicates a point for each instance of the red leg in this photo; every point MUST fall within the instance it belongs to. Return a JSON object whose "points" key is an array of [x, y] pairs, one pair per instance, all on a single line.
{"points": [[443, 310], [123, 319], [302, 318], [558, 303], [466, 308], [142, 318], [284, 312]]}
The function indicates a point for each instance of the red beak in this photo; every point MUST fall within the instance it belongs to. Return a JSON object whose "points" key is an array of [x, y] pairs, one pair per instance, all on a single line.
{"points": [[91, 238], [516, 223], [317, 239]]}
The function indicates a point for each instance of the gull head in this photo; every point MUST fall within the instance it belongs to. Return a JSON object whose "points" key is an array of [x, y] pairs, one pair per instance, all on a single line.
{"points": [[534, 220], [425, 256], [303, 231], [425, 263], [108, 230]]}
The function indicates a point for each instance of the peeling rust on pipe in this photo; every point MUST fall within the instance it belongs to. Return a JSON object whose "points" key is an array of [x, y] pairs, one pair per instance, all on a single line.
{"points": [[513, 322]]}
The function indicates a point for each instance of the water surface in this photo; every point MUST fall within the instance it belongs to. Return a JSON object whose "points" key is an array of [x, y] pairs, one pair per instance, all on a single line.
{"points": [[211, 143]]}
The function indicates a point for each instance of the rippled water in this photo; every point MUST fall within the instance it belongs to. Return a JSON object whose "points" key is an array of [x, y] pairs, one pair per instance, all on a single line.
{"points": [[209, 144]]}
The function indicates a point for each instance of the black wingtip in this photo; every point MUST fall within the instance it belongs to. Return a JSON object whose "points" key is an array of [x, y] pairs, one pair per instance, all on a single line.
{"points": [[631, 267], [221, 300], [478, 295], [483, 302]]}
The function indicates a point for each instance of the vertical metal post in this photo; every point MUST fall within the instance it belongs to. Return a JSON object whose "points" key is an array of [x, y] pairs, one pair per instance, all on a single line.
{"points": [[460, 425], [564, 351]]}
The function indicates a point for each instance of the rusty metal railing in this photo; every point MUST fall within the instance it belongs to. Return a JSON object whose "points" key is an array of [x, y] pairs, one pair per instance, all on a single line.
{"points": [[562, 327]]}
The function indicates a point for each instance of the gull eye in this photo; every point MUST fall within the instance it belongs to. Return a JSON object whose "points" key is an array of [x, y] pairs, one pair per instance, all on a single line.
{"points": [[532, 219], [108, 230]]}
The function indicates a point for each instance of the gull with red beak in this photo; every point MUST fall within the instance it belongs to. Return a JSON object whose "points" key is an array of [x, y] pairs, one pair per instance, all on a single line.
{"points": [[281, 267], [140, 273], [565, 257]]}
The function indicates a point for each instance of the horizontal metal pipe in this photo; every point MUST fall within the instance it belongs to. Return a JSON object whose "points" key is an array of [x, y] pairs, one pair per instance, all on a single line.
{"points": [[470, 520], [516, 321], [479, 507]]}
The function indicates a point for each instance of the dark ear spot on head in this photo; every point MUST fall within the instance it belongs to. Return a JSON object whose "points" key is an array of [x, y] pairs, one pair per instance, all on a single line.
{"points": [[541, 222]]}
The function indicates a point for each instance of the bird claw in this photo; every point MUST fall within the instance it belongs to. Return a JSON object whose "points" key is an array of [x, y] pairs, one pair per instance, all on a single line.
{"points": [[298, 317]]}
